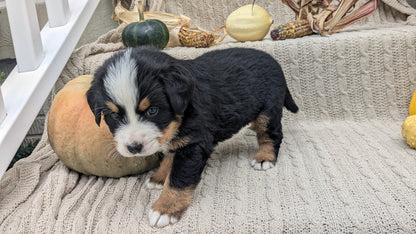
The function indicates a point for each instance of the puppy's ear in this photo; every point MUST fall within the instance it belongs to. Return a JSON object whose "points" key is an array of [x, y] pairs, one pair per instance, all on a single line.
{"points": [[95, 102], [179, 86]]}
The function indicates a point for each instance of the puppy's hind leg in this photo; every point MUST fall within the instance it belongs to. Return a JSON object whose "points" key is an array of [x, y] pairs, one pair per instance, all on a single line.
{"points": [[269, 137]]}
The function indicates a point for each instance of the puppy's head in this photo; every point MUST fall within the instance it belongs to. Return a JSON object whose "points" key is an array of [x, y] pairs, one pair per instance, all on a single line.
{"points": [[143, 94]]}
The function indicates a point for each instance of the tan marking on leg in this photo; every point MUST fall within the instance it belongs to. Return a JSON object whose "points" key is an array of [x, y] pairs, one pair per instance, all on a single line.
{"points": [[112, 107], [169, 132], [265, 153], [144, 104], [266, 144], [173, 202], [160, 175]]}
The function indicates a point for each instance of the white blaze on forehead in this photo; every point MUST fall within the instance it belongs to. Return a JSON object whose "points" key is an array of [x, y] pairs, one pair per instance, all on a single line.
{"points": [[121, 85], [120, 82]]}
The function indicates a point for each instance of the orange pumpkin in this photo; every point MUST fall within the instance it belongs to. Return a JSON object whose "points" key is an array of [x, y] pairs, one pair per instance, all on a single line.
{"points": [[80, 143]]}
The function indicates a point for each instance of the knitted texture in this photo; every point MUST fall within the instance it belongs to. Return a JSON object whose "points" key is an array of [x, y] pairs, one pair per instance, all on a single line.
{"points": [[343, 165], [211, 14]]}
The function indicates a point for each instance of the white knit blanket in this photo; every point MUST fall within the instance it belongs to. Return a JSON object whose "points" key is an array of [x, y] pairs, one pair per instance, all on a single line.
{"points": [[343, 164]]}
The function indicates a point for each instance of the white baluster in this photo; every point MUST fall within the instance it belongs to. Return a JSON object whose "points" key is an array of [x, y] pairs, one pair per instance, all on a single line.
{"points": [[25, 32], [2, 108], [25, 92], [58, 12]]}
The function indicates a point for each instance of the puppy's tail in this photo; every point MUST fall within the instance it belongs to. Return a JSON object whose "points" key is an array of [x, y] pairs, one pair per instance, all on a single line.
{"points": [[289, 103]]}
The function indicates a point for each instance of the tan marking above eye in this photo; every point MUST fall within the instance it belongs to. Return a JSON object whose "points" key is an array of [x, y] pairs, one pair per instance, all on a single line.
{"points": [[112, 107], [144, 104]]}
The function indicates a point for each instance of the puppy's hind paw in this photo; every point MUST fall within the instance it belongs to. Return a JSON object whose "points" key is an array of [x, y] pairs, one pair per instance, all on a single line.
{"points": [[153, 185], [261, 166]]}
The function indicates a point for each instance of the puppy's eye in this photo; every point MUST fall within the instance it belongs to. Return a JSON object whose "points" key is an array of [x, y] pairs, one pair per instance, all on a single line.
{"points": [[152, 111], [114, 115]]}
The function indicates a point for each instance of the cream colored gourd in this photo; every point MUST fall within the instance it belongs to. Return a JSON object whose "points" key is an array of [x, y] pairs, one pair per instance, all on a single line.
{"points": [[409, 130], [80, 143], [248, 23]]}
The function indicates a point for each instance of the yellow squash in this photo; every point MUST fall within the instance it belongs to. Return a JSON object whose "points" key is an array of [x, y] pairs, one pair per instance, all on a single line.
{"points": [[248, 23], [409, 130], [412, 106]]}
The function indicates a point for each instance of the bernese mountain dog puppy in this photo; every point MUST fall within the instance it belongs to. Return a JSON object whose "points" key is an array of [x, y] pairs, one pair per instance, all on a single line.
{"points": [[153, 103]]}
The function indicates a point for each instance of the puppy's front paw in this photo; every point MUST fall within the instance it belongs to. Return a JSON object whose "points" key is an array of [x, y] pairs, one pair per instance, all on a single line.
{"points": [[169, 208], [150, 184], [165, 212], [157, 219], [262, 165]]}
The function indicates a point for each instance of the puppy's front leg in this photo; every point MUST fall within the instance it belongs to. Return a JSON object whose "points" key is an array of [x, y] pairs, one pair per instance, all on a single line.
{"points": [[178, 189], [157, 180]]}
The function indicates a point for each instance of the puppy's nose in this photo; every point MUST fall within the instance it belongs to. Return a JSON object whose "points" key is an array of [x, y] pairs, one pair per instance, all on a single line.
{"points": [[135, 148]]}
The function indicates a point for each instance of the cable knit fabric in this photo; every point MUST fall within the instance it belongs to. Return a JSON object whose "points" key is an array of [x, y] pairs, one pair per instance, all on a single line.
{"points": [[343, 165], [211, 14]]}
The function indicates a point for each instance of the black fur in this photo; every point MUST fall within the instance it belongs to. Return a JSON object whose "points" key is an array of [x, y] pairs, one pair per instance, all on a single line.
{"points": [[215, 94]]}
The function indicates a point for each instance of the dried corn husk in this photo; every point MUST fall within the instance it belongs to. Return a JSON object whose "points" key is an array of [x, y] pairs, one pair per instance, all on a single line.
{"points": [[330, 16], [122, 15], [174, 24]]}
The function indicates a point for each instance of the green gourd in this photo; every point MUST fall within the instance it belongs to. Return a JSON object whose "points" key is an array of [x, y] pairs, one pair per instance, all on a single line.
{"points": [[151, 32]]}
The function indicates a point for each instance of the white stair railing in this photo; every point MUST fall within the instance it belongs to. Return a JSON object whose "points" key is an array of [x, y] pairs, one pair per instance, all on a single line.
{"points": [[24, 28], [40, 57]]}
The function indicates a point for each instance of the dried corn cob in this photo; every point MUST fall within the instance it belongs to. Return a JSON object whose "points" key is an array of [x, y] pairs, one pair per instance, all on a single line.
{"points": [[295, 29], [195, 38]]}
